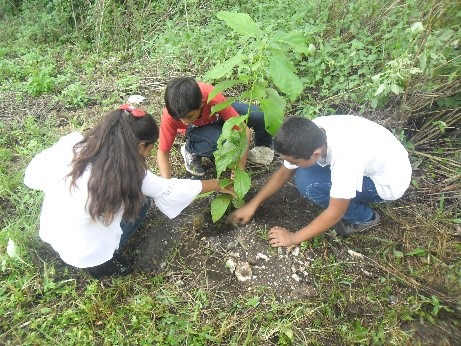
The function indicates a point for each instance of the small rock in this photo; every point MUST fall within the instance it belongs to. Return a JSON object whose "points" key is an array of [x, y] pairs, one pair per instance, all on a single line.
{"points": [[262, 256], [261, 155], [231, 264], [301, 293], [243, 271], [296, 277], [232, 245], [355, 254], [295, 251], [290, 248]]}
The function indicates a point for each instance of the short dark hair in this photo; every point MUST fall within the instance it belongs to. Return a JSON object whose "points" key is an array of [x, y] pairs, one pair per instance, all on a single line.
{"points": [[299, 137], [182, 95]]}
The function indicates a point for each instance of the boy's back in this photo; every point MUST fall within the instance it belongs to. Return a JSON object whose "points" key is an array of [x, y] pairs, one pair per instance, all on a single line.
{"points": [[359, 147]]}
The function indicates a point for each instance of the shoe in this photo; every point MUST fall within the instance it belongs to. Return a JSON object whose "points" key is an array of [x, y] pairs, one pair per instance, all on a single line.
{"points": [[113, 267], [192, 162], [345, 228]]}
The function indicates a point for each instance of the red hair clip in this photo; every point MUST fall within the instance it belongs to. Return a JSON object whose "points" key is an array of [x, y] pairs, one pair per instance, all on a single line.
{"points": [[136, 112]]}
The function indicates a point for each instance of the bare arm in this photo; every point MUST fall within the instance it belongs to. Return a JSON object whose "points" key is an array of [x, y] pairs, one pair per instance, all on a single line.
{"points": [[244, 215], [163, 162], [213, 185], [279, 236]]}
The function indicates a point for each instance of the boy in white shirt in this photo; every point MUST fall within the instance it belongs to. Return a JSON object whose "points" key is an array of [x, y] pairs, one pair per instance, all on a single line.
{"points": [[341, 163]]}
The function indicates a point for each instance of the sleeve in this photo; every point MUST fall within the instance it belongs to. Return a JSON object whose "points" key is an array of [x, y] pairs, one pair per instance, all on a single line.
{"points": [[167, 132], [170, 195], [288, 165], [51, 162]]}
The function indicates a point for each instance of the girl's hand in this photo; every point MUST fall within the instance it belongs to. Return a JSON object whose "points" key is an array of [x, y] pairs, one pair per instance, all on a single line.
{"points": [[279, 236]]}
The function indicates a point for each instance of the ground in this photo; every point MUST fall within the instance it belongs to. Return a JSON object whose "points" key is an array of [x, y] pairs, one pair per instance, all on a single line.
{"points": [[205, 246], [195, 252]]}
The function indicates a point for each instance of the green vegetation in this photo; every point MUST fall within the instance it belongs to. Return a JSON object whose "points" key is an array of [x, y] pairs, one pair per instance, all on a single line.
{"points": [[63, 63]]}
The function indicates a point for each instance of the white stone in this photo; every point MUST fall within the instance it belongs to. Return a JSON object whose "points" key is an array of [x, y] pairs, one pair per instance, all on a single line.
{"points": [[262, 256], [231, 264], [243, 271], [355, 254], [295, 251], [261, 155]]}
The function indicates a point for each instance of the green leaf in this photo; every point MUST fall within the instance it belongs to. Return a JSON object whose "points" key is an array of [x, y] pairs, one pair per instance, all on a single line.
{"points": [[253, 302], [225, 67], [238, 202], [220, 87], [281, 71], [417, 252], [219, 206], [396, 89], [422, 61], [242, 182], [259, 91], [273, 108], [374, 103], [225, 182], [220, 106], [229, 124], [398, 254], [381, 89], [297, 41], [241, 23]]}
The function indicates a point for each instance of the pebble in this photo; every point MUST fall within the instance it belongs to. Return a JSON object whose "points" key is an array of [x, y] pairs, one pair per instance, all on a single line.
{"points": [[231, 264], [262, 256], [243, 271]]}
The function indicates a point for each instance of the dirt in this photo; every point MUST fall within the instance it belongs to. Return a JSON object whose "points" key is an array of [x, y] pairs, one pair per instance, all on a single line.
{"points": [[200, 245], [195, 252]]}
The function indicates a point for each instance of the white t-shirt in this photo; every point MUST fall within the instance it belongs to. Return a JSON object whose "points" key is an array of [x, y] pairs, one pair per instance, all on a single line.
{"points": [[64, 220], [357, 147]]}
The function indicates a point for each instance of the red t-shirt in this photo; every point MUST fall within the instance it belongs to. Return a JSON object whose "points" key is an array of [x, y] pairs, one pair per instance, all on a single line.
{"points": [[169, 127]]}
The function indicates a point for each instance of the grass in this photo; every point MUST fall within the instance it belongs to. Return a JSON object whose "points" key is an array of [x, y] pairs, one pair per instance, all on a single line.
{"points": [[54, 82]]}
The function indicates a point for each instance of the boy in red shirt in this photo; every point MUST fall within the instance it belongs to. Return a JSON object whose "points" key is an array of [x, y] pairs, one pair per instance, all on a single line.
{"points": [[188, 112]]}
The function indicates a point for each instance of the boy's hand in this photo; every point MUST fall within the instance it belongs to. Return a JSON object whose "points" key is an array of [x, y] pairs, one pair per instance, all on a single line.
{"points": [[279, 236], [241, 216]]}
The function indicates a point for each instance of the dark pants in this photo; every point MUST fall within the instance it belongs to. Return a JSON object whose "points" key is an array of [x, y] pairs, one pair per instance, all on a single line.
{"points": [[130, 227], [202, 140], [314, 183]]}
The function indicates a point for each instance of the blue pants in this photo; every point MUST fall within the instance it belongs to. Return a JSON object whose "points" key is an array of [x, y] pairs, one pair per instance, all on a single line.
{"points": [[203, 140], [314, 183], [130, 227]]}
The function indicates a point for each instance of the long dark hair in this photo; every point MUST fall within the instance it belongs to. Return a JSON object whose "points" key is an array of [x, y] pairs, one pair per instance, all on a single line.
{"points": [[117, 167]]}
